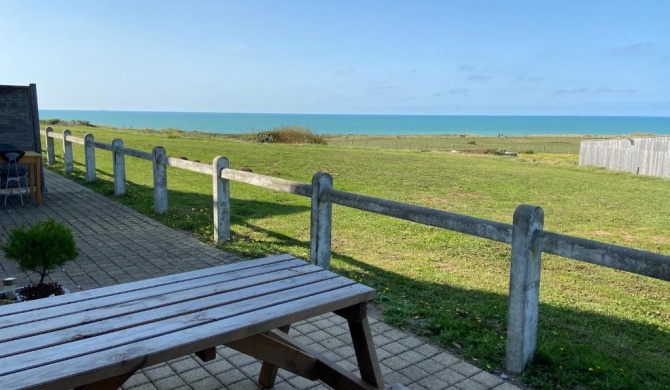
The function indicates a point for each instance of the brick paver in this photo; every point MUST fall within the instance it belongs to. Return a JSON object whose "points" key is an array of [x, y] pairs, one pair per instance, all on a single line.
{"points": [[119, 245]]}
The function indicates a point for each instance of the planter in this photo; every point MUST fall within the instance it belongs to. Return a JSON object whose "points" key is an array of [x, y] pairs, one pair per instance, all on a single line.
{"points": [[18, 294]]}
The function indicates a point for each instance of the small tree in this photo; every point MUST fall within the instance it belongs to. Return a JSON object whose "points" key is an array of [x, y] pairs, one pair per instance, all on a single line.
{"points": [[41, 248]]}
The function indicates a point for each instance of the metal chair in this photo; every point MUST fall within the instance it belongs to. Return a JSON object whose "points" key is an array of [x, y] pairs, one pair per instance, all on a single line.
{"points": [[13, 174], [3, 147]]}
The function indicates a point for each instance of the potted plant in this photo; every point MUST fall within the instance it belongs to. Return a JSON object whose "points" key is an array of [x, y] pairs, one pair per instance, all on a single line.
{"points": [[41, 248]]}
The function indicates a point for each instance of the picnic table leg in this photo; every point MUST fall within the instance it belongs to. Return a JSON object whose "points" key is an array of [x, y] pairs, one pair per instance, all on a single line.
{"points": [[359, 327], [268, 373]]}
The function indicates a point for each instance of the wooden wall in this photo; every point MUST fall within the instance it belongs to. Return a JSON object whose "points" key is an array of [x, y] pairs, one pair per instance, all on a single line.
{"points": [[644, 156], [19, 117]]}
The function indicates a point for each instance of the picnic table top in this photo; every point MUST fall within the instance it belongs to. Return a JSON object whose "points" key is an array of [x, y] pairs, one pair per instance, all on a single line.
{"points": [[91, 335]]}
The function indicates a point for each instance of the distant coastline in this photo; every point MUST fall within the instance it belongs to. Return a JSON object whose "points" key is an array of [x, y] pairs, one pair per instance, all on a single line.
{"points": [[231, 123]]}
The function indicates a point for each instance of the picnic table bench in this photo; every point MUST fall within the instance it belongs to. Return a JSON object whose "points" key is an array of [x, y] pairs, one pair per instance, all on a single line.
{"points": [[97, 339]]}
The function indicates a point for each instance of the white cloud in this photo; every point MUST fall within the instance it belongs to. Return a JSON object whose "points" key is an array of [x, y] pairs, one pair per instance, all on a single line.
{"points": [[610, 90], [458, 91], [238, 48], [345, 71], [576, 90], [479, 77], [383, 86], [528, 79], [467, 68], [634, 49]]}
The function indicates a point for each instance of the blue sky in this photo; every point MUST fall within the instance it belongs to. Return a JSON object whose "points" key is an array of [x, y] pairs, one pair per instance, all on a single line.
{"points": [[445, 57]]}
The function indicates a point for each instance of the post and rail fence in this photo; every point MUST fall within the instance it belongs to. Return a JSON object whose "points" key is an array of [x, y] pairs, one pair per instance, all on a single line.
{"points": [[526, 235]]}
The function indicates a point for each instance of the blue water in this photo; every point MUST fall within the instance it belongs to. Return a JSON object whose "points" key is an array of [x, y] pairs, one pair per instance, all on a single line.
{"points": [[372, 124]]}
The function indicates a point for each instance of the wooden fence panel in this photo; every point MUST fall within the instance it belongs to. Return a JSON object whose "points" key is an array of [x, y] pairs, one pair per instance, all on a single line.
{"points": [[643, 156]]}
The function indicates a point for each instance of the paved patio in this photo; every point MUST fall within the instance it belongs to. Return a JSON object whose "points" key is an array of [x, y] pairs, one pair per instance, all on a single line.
{"points": [[119, 245]]}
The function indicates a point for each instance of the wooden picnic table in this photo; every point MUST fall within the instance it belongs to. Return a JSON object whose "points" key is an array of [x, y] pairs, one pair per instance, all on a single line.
{"points": [[96, 339]]}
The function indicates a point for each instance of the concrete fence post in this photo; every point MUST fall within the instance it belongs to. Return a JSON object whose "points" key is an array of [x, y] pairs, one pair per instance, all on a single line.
{"points": [[67, 151], [524, 288], [51, 150], [160, 180], [220, 200], [89, 156], [119, 161], [321, 222]]}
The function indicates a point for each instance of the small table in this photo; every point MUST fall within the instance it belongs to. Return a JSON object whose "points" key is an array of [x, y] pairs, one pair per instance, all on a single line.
{"points": [[97, 339], [34, 161]]}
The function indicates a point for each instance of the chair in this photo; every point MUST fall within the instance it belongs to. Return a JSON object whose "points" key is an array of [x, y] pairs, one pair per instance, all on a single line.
{"points": [[13, 174], [3, 147]]}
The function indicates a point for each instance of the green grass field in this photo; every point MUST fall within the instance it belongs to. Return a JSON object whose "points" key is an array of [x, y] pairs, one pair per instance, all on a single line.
{"points": [[473, 143], [598, 328]]}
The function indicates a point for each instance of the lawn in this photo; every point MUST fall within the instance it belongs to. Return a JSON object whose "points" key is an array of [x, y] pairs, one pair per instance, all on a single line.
{"points": [[598, 328], [467, 142]]}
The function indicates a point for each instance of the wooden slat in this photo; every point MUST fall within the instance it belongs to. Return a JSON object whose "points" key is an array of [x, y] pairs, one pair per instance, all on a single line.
{"points": [[236, 303], [189, 165], [139, 285], [13, 126], [71, 371], [158, 316], [177, 291], [76, 140], [14, 101], [271, 351], [268, 373], [138, 154], [17, 125], [368, 364], [361, 337], [328, 371], [102, 145], [16, 131]]}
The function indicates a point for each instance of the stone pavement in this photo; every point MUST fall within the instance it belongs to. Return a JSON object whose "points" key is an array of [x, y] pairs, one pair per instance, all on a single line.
{"points": [[119, 245]]}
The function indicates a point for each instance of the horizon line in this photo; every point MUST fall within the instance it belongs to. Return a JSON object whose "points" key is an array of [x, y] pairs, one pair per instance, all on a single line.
{"points": [[360, 114]]}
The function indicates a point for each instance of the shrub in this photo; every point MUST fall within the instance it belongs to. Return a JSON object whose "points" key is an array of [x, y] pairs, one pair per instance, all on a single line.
{"points": [[529, 151], [490, 151], [41, 248], [472, 142], [286, 135], [54, 121], [61, 122]]}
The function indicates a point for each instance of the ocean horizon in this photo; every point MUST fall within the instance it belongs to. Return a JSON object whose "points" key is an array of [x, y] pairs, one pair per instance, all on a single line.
{"points": [[360, 124]]}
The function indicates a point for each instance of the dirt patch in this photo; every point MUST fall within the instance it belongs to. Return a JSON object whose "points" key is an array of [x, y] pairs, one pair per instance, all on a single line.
{"points": [[659, 240], [375, 312]]}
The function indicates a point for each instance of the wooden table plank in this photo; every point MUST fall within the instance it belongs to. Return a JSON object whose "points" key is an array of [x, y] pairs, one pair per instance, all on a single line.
{"points": [[139, 285], [113, 319], [240, 304], [98, 308]]}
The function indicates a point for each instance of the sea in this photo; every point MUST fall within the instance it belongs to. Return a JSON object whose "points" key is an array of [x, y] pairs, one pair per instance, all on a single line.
{"points": [[236, 123]]}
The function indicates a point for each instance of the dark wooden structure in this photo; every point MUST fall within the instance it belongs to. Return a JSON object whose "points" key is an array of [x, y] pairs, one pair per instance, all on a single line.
{"points": [[19, 117]]}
